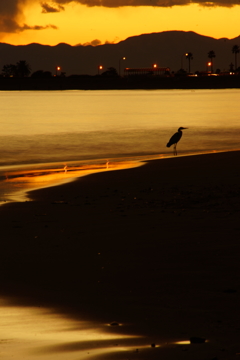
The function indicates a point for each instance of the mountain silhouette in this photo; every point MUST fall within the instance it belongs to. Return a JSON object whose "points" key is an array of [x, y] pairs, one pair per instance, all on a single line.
{"points": [[166, 49]]}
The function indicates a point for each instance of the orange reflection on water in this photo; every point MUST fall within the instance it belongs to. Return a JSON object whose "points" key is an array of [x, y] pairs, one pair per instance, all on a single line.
{"points": [[183, 342], [18, 183], [31, 332], [38, 333]]}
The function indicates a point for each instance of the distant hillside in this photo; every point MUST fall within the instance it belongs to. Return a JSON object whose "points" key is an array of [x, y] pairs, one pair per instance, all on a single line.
{"points": [[167, 49]]}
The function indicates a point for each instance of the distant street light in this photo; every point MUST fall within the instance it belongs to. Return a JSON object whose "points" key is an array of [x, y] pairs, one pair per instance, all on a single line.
{"points": [[119, 71], [209, 65], [155, 66], [185, 54], [57, 69], [189, 56], [100, 67]]}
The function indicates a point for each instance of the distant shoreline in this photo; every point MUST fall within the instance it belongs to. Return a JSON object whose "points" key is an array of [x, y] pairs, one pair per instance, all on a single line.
{"points": [[86, 82]]}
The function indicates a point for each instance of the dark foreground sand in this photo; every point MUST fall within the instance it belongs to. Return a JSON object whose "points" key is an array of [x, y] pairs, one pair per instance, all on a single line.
{"points": [[156, 248]]}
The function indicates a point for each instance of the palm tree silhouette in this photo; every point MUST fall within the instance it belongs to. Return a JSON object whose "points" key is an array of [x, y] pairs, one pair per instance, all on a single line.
{"points": [[211, 55], [23, 68], [235, 50], [189, 56]]}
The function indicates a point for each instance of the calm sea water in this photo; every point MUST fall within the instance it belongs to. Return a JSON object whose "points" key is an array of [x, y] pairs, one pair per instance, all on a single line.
{"points": [[63, 126]]}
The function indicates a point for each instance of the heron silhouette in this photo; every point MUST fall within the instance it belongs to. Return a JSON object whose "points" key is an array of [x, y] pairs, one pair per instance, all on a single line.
{"points": [[175, 139]]}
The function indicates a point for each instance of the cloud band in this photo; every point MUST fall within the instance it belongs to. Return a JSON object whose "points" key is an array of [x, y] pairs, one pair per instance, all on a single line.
{"points": [[152, 3], [11, 11]]}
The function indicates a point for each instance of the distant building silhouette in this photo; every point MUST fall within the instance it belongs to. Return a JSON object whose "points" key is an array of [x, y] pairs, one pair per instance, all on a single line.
{"points": [[147, 71]]}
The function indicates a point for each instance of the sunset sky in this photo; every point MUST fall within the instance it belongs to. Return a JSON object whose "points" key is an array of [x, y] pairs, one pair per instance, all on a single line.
{"points": [[99, 21]]}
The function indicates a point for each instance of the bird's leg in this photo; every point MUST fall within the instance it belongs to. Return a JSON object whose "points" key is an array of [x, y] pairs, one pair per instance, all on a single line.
{"points": [[174, 149]]}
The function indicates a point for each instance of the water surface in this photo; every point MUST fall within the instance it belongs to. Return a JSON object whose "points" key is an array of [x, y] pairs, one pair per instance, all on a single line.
{"points": [[62, 126], [78, 127]]}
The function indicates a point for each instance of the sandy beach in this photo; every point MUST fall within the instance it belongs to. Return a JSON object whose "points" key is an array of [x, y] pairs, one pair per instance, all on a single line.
{"points": [[154, 248]]}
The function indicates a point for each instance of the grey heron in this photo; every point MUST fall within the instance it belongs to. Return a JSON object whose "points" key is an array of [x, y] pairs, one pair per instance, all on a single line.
{"points": [[175, 139]]}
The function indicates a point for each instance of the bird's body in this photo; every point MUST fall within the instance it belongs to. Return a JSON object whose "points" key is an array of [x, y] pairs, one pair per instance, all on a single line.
{"points": [[175, 139]]}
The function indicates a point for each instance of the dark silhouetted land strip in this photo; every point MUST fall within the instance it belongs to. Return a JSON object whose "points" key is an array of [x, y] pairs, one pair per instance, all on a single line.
{"points": [[168, 48], [85, 82]]}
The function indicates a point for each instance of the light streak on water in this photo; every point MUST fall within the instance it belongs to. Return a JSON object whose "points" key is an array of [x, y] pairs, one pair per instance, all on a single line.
{"points": [[16, 182], [37, 333]]}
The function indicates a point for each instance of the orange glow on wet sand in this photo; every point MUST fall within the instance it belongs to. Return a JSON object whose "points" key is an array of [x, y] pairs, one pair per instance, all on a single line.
{"points": [[31, 332], [23, 181]]}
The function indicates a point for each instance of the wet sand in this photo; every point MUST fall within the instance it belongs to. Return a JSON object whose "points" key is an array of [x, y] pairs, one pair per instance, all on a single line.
{"points": [[154, 248]]}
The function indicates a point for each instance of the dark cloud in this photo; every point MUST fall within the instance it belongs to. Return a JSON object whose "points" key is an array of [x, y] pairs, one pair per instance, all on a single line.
{"points": [[11, 11], [95, 42], [11, 26], [11, 16], [46, 8], [153, 3], [37, 27], [8, 13], [10, 6]]}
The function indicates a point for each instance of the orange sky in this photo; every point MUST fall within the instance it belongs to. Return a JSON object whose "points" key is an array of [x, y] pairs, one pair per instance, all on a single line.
{"points": [[73, 23]]}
